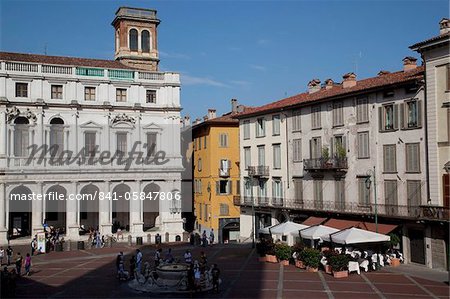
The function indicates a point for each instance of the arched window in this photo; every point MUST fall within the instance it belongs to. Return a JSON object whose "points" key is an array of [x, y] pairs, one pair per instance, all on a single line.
{"points": [[133, 40], [145, 41], [56, 136], [21, 136]]}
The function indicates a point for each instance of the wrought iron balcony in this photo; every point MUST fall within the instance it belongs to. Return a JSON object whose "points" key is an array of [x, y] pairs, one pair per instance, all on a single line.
{"points": [[263, 201], [258, 171], [277, 202], [322, 164]]}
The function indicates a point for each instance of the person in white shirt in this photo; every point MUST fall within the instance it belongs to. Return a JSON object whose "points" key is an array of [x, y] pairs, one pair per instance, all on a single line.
{"points": [[188, 257]]}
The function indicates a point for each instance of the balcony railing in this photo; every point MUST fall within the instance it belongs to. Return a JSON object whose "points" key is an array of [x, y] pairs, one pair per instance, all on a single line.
{"points": [[258, 171], [323, 164], [399, 211], [224, 172]]}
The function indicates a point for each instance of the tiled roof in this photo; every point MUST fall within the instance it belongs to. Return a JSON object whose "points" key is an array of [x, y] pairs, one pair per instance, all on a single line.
{"points": [[430, 40], [62, 60], [227, 118], [338, 91]]}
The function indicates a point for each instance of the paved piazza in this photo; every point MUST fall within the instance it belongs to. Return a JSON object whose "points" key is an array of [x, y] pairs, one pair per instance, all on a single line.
{"points": [[91, 274]]}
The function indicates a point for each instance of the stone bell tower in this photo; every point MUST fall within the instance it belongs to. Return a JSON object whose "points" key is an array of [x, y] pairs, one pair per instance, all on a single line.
{"points": [[136, 38]]}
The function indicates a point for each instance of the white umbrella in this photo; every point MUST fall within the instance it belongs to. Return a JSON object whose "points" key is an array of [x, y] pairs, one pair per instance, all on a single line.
{"points": [[355, 235], [265, 230], [286, 228], [317, 232]]}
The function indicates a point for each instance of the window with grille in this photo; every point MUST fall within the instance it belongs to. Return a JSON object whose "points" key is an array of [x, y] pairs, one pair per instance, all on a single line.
{"points": [[121, 143], [150, 96], [276, 125], [57, 92], [224, 209], [389, 158], [414, 193], [260, 127], [277, 156], [363, 145], [261, 155], [296, 121], [89, 144], [363, 192], [315, 117], [412, 157], [297, 150], [89, 93], [338, 114], [388, 117], [298, 190], [246, 126], [22, 90], [362, 110], [121, 95], [247, 157], [223, 140], [151, 144]]}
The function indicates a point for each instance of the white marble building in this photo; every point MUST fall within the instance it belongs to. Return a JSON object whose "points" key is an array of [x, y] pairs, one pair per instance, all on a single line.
{"points": [[92, 106]]}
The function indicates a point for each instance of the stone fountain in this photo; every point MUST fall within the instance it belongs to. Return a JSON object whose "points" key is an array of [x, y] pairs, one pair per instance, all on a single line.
{"points": [[170, 278]]}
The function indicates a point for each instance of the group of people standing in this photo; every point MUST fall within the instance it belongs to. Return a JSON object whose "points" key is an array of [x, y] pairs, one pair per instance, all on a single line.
{"points": [[9, 276], [205, 238]]}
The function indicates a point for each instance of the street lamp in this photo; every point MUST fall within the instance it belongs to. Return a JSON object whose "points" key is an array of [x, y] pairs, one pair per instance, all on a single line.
{"points": [[368, 183]]}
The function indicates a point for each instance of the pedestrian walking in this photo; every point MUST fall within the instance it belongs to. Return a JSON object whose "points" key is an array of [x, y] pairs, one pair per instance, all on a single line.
{"points": [[2, 254], [28, 265], [157, 257], [204, 239], [19, 262], [211, 236], [33, 245], [119, 260], [215, 272], [138, 260], [9, 254]]}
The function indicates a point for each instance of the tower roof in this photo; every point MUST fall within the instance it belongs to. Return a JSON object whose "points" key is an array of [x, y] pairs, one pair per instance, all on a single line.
{"points": [[136, 14]]}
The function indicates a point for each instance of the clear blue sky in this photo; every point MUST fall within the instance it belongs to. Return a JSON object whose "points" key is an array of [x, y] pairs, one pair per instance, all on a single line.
{"points": [[255, 51]]}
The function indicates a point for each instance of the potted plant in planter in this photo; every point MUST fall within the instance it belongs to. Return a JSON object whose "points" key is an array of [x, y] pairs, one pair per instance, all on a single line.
{"points": [[283, 253], [311, 258], [270, 253], [297, 250], [328, 254], [395, 240], [326, 157], [339, 265]]}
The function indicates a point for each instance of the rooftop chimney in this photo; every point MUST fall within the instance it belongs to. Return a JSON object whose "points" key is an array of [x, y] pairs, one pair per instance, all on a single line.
{"points": [[329, 83], [211, 113], [234, 105], [313, 85], [197, 121], [383, 72], [409, 63], [240, 108], [349, 80], [444, 26]]}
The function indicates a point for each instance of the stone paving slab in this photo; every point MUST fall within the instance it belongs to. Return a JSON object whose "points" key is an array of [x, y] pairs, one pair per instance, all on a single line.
{"points": [[91, 274]]}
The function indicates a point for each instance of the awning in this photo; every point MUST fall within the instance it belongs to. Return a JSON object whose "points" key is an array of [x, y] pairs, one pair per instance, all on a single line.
{"points": [[265, 230], [370, 226], [356, 236], [317, 232], [286, 228], [314, 221]]}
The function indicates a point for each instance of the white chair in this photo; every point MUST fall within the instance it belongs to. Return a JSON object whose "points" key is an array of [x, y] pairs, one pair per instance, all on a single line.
{"points": [[401, 257], [353, 266], [381, 259], [365, 265], [374, 259], [324, 261], [338, 249]]}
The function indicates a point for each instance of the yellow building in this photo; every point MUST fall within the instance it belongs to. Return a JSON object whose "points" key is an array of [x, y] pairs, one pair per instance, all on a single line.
{"points": [[216, 175]]}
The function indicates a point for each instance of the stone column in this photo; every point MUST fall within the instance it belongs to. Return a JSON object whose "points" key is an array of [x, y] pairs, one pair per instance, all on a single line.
{"points": [[105, 212], [72, 219], [136, 222], [37, 212], [3, 211]]}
